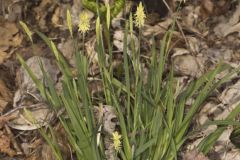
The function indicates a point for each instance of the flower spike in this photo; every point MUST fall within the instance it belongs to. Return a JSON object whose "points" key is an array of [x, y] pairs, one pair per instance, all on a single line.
{"points": [[140, 16], [84, 23], [117, 141]]}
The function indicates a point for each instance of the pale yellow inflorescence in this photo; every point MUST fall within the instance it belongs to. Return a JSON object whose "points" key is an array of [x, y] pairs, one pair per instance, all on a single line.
{"points": [[140, 16], [84, 23], [117, 141]]}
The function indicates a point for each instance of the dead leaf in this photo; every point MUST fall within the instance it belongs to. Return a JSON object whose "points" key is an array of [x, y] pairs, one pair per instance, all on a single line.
{"points": [[95, 86], [7, 32], [3, 56], [27, 147], [47, 152], [225, 29], [236, 56], [207, 7], [190, 16], [41, 13], [9, 38], [67, 50], [15, 10], [159, 28], [5, 96], [4, 119], [90, 50], [41, 114], [216, 55], [56, 17], [59, 14], [27, 96], [230, 99], [118, 41], [232, 29], [231, 94], [62, 142], [5, 143], [233, 25], [194, 155], [231, 155], [221, 7], [185, 64], [236, 16], [25, 82]]}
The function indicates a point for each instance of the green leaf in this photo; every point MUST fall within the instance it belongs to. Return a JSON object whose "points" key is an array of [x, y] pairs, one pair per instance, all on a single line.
{"points": [[144, 147], [55, 51]]}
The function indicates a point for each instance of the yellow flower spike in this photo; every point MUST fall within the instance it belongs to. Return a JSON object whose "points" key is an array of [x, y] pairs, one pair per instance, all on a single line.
{"points": [[131, 24], [27, 30], [117, 141], [55, 51], [108, 16], [69, 22], [98, 29], [84, 23], [140, 16]]}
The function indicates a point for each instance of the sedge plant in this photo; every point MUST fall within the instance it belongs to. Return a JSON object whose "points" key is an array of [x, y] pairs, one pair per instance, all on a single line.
{"points": [[153, 120]]}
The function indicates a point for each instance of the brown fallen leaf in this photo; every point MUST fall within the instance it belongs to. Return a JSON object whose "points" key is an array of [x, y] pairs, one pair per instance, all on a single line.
{"points": [[5, 143], [9, 38], [190, 16], [7, 32], [4, 119], [41, 13], [232, 29], [194, 155], [95, 87], [15, 11], [118, 38], [230, 25], [185, 64], [91, 51], [67, 49], [62, 142], [157, 28], [207, 7], [5, 96], [3, 56], [56, 17], [27, 96]]}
